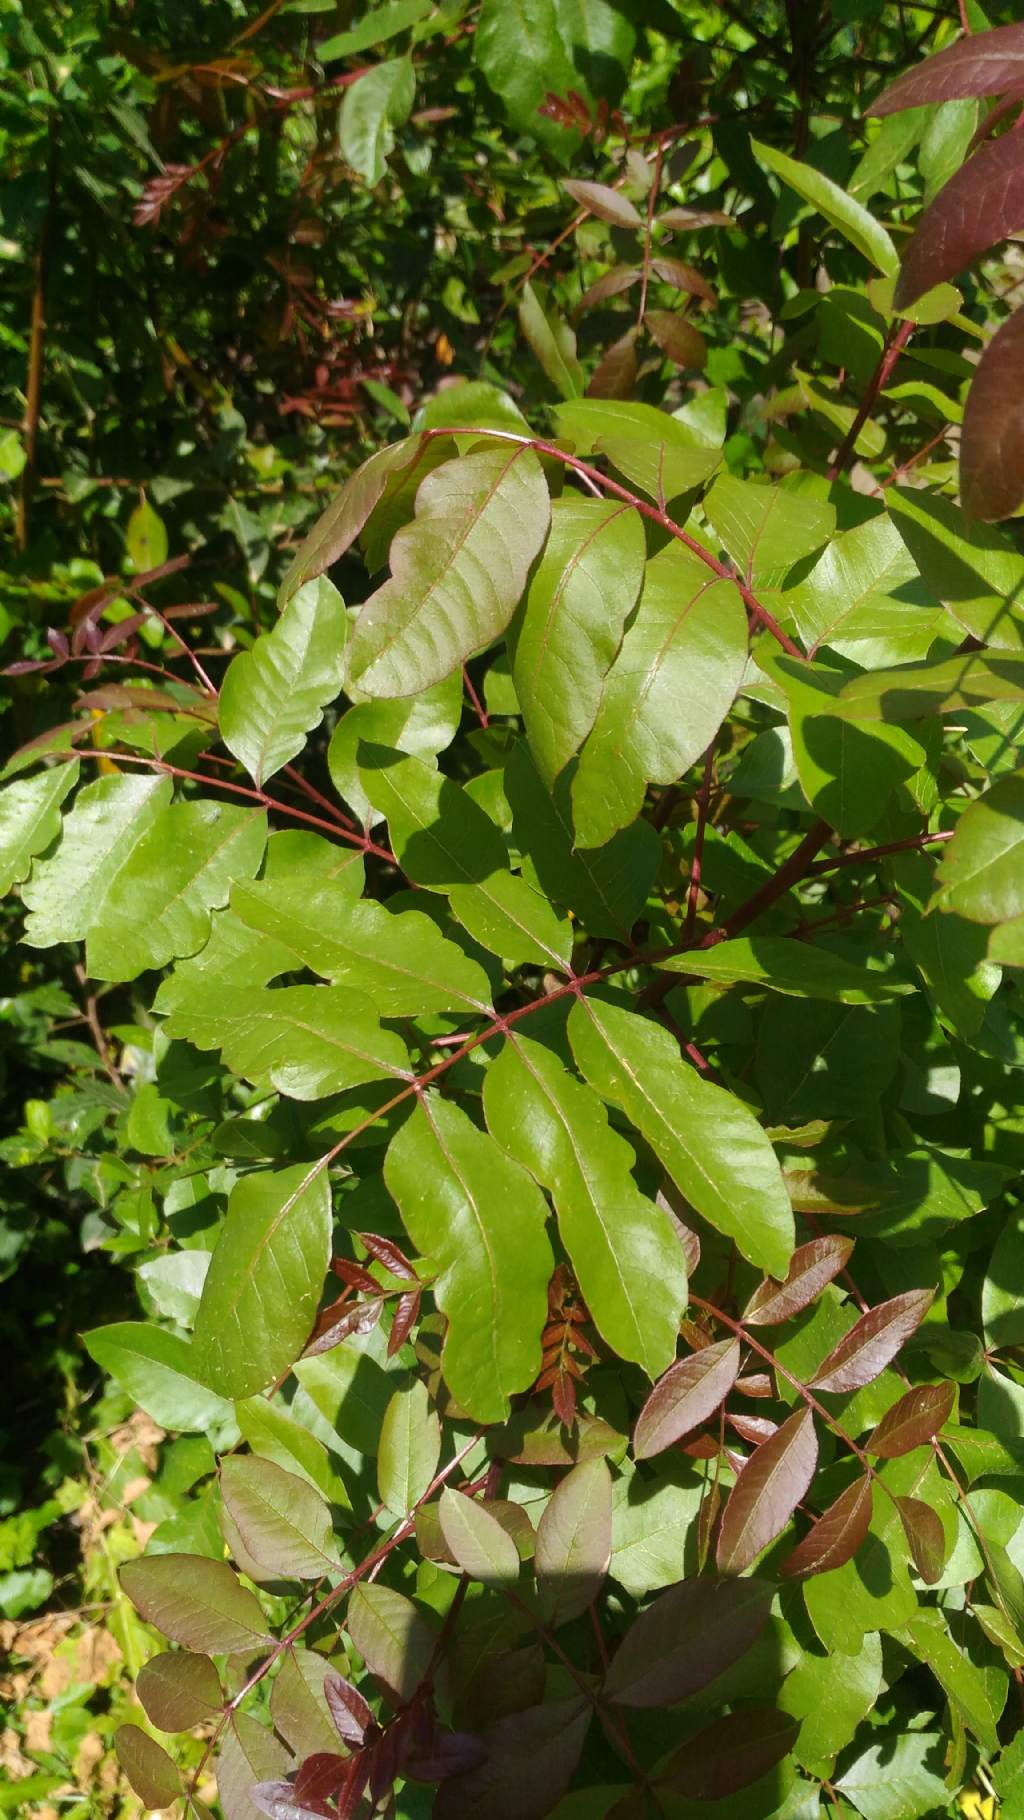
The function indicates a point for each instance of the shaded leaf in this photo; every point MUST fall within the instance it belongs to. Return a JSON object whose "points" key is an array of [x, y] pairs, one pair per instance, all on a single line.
{"points": [[531, 1756], [551, 339], [283, 1521], [410, 1447], [392, 1635], [795, 968], [661, 455], [196, 1602], [352, 1717], [965, 1685], [338, 527], [574, 1541], [731, 1753], [766, 530], [913, 1420], [298, 1703], [179, 1690], [690, 1391], [275, 694], [812, 1267], [873, 1340], [980, 874], [607, 204], [766, 1493], [686, 1639], [249, 1753], [154, 1777], [479, 1544], [677, 337], [899, 1778], [926, 1540], [836, 1535], [371, 109]]}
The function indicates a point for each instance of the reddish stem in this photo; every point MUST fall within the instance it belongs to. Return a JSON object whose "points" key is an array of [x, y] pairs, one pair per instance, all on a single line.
{"points": [[894, 347]]}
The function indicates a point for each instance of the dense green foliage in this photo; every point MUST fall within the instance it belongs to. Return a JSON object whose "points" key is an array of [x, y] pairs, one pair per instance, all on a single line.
{"points": [[514, 828]]}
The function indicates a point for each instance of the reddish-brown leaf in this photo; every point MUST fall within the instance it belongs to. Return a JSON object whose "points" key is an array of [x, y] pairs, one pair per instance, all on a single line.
{"points": [[610, 284], [179, 1689], [684, 277], [755, 1429], [767, 1492], [992, 438], [922, 1527], [152, 1774], [731, 1753], [387, 1253], [835, 1537], [981, 204], [690, 1391], [913, 1420], [351, 1715], [677, 337], [341, 1319], [864, 1352], [407, 1310], [606, 203], [615, 373], [811, 1268], [989, 63], [686, 1639], [695, 218]]}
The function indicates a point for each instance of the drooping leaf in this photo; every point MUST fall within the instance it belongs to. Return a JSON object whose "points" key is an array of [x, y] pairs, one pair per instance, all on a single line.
{"points": [[717, 1154], [992, 63], [179, 1690], [299, 1702], [151, 1772], [551, 339], [338, 527], [531, 1756], [766, 1493], [161, 1372], [468, 1206], [795, 968], [982, 203], [912, 1421], [394, 1637], [196, 1602], [677, 337], [686, 1639], [658, 453], [922, 1527], [457, 571], [351, 1715], [835, 1536], [263, 1285], [690, 1391], [812, 1267], [574, 1542], [410, 1447], [283, 1522], [275, 694], [30, 820], [873, 1340], [666, 694], [445, 841], [481, 1547], [731, 1753], [839, 208], [565, 640], [625, 1256]]}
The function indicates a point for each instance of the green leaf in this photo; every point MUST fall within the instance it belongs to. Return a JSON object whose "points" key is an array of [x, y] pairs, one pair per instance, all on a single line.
{"points": [[370, 111], [153, 1776], [275, 694], [919, 691], [847, 772], [179, 1690], [1002, 1295], [964, 1684], [196, 1602], [574, 1542], [658, 453], [565, 640], [523, 55], [794, 968], [444, 840], [766, 530], [981, 873], [393, 1636], [403, 962], [274, 1435], [70, 890], [653, 1525], [263, 1286], [551, 339], [160, 1371], [711, 1144], [284, 1524], [146, 543], [337, 528], [476, 1214], [457, 571], [898, 1779], [410, 1447], [605, 887], [297, 1704], [481, 1547], [249, 1753], [830, 1706], [383, 23], [625, 1255], [305, 1041], [839, 208], [421, 725], [30, 819], [665, 696], [871, 1592], [974, 569]]}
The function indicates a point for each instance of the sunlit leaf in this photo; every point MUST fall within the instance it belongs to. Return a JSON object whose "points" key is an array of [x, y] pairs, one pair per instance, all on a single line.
{"points": [[767, 1491]]}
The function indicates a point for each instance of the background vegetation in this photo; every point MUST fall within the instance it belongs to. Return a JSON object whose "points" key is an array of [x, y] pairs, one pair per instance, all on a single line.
{"points": [[242, 249]]}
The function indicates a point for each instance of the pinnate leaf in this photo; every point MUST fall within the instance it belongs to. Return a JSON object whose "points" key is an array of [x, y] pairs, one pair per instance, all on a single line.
{"points": [[471, 1208], [839, 208], [410, 1447], [249, 1753], [604, 202], [154, 1777], [305, 1041], [990, 63], [531, 1756], [457, 571], [982, 203], [338, 527], [275, 694], [812, 1267], [690, 1391], [395, 1639], [686, 1638], [835, 1537], [196, 1602], [926, 1539], [767, 1491], [574, 1541], [30, 820], [481, 1547], [912, 1421], [731, 1753], [656, 452], [283, 1522], [793, 968], [992, 439], [161, 1372], [981, 874], [263, 1285], [70, 889], [551, 339], [676, 336], [872, 1342], [179, 1689]]}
